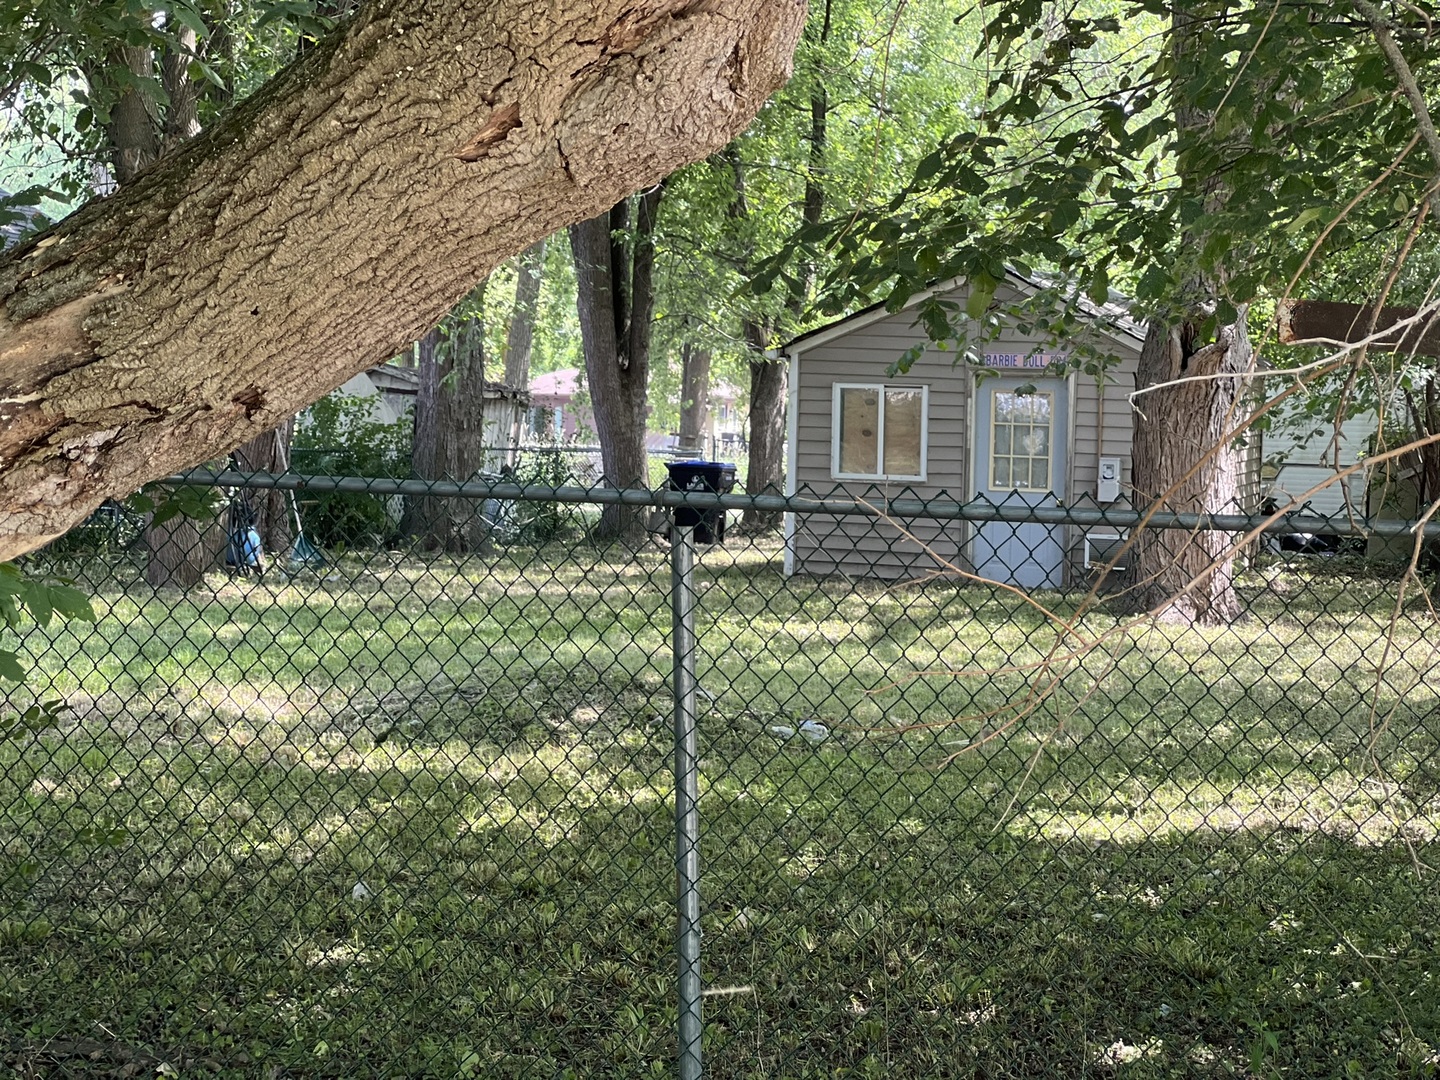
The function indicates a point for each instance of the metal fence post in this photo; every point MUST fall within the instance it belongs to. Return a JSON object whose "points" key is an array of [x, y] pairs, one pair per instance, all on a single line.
{"points": [[687, 796]]}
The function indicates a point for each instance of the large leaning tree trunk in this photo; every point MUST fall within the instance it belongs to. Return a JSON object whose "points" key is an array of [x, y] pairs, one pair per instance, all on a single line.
{"points": [[1184, 450], [615, 299], [335, 216]]}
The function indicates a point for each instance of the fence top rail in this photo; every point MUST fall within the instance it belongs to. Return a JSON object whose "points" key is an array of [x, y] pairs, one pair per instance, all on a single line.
{"points": [[838, 503]]}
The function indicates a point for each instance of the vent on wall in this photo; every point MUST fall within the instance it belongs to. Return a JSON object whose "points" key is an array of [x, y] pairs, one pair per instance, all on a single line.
{"points": [[1100, 548]]}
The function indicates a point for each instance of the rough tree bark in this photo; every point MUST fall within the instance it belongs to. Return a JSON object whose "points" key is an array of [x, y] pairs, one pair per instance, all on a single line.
{"points": [[520, 337], [180, 550], [462, 423], [1186, 577], [336, 215], [615, 297], [132, 133], [182, 115], [765, 467], [1182, 452], [767, 427], [424, 515], [449, 439], [694, 398]]}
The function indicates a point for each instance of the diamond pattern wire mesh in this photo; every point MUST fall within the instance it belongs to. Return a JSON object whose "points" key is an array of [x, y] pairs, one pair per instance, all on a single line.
{"points": [[395, 809]]}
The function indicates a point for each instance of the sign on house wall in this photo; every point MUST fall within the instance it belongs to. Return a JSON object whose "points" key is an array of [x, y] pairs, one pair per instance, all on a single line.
{"points": [[1024, 360]]}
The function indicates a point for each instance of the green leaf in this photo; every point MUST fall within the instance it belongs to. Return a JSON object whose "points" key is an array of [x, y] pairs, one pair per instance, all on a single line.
{"points": [[1152, 284], [70, 603], [191, 19], [36, 598], [982, 292], [1304, 218], [10, 667], [1099, 288]]}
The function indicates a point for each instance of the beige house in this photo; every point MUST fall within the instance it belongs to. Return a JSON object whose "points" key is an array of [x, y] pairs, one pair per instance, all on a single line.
{"points": [[942, 430]]}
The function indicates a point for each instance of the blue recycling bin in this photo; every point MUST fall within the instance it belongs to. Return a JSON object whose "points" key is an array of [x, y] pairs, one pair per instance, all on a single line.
{"points": [[712, 476]]}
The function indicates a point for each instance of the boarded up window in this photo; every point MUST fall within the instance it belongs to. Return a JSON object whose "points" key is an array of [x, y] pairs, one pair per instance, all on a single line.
{"points": [[880, 431], [859, 429], [904, 420]]}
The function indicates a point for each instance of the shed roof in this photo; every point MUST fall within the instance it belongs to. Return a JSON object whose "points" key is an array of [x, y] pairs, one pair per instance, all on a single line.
{"points": [[1116, 311], [559, 385]]}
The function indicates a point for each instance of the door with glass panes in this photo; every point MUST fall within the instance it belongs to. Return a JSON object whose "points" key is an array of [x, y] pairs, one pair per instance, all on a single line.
{"points": [[1019, 446]]}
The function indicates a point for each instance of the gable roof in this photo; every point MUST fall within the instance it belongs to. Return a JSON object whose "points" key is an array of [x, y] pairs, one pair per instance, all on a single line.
{"points": [[1116, 311], [555, 387]]}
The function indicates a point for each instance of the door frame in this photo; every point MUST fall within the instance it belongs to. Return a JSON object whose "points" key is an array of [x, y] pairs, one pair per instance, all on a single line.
{"points": [[974, 386]]}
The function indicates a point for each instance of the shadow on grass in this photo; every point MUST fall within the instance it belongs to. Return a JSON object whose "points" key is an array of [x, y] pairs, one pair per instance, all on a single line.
{"points": [[295, 903]]}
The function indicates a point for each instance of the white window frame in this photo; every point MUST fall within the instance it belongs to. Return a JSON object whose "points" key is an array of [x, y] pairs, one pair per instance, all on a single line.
{"points": [[1011, 455], [879, 388]]}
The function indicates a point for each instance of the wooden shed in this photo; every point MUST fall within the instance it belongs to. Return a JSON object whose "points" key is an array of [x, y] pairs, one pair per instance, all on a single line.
{"points": [[947, 430]]}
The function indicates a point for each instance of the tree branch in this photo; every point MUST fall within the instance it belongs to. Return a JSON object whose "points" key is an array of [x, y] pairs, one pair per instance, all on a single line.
{"points": [[1424, 123]]}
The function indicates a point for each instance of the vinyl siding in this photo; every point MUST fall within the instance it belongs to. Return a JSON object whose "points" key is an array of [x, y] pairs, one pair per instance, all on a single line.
{"points": [[1309, 459]]}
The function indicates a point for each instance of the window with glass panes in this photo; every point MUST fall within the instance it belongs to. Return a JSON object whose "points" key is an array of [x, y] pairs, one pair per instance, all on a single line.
{"points": [[1020, 448]]}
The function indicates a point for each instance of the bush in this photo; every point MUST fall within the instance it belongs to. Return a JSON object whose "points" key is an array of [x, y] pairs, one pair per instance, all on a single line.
{"points": [[340, 435]]}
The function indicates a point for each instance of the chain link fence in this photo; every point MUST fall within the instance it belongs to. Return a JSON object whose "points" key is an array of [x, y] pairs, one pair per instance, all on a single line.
{"points": [[400, 798]]}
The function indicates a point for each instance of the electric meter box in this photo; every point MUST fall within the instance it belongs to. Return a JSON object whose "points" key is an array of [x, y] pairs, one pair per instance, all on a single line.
{"points": [[1107, 490]]}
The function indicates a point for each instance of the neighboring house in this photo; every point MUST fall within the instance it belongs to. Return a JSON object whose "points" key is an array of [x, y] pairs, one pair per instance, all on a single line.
{"points": [[724, 435], [1301, 454], [556, 410], [943, 429], [394, 389], [727, 421]]}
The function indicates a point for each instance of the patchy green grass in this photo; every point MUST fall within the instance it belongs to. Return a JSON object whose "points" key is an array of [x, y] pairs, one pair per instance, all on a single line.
{"points": [[414, 820]]}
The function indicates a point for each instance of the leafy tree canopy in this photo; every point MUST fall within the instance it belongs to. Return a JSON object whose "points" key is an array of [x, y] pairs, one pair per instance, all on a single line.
{"points": [[1077, 157]]}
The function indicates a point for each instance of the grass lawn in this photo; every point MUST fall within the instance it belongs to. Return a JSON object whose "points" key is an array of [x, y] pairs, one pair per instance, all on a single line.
{"points": [[413, 819]]}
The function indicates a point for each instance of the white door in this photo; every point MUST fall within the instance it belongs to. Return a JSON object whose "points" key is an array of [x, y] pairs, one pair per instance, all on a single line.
{"points": [[1021, 431]]}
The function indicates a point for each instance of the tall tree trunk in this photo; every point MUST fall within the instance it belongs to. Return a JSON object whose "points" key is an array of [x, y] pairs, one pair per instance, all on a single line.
{"points": [[614, 278], [1188, 577], [425, 517], [336, 215], [182, 115], [177, 551], [462, 422], [181, 549], [1182, 450], [133, 132], [270, 452], [520, 338], [766, 470], [694, 398], [767, 428]]}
